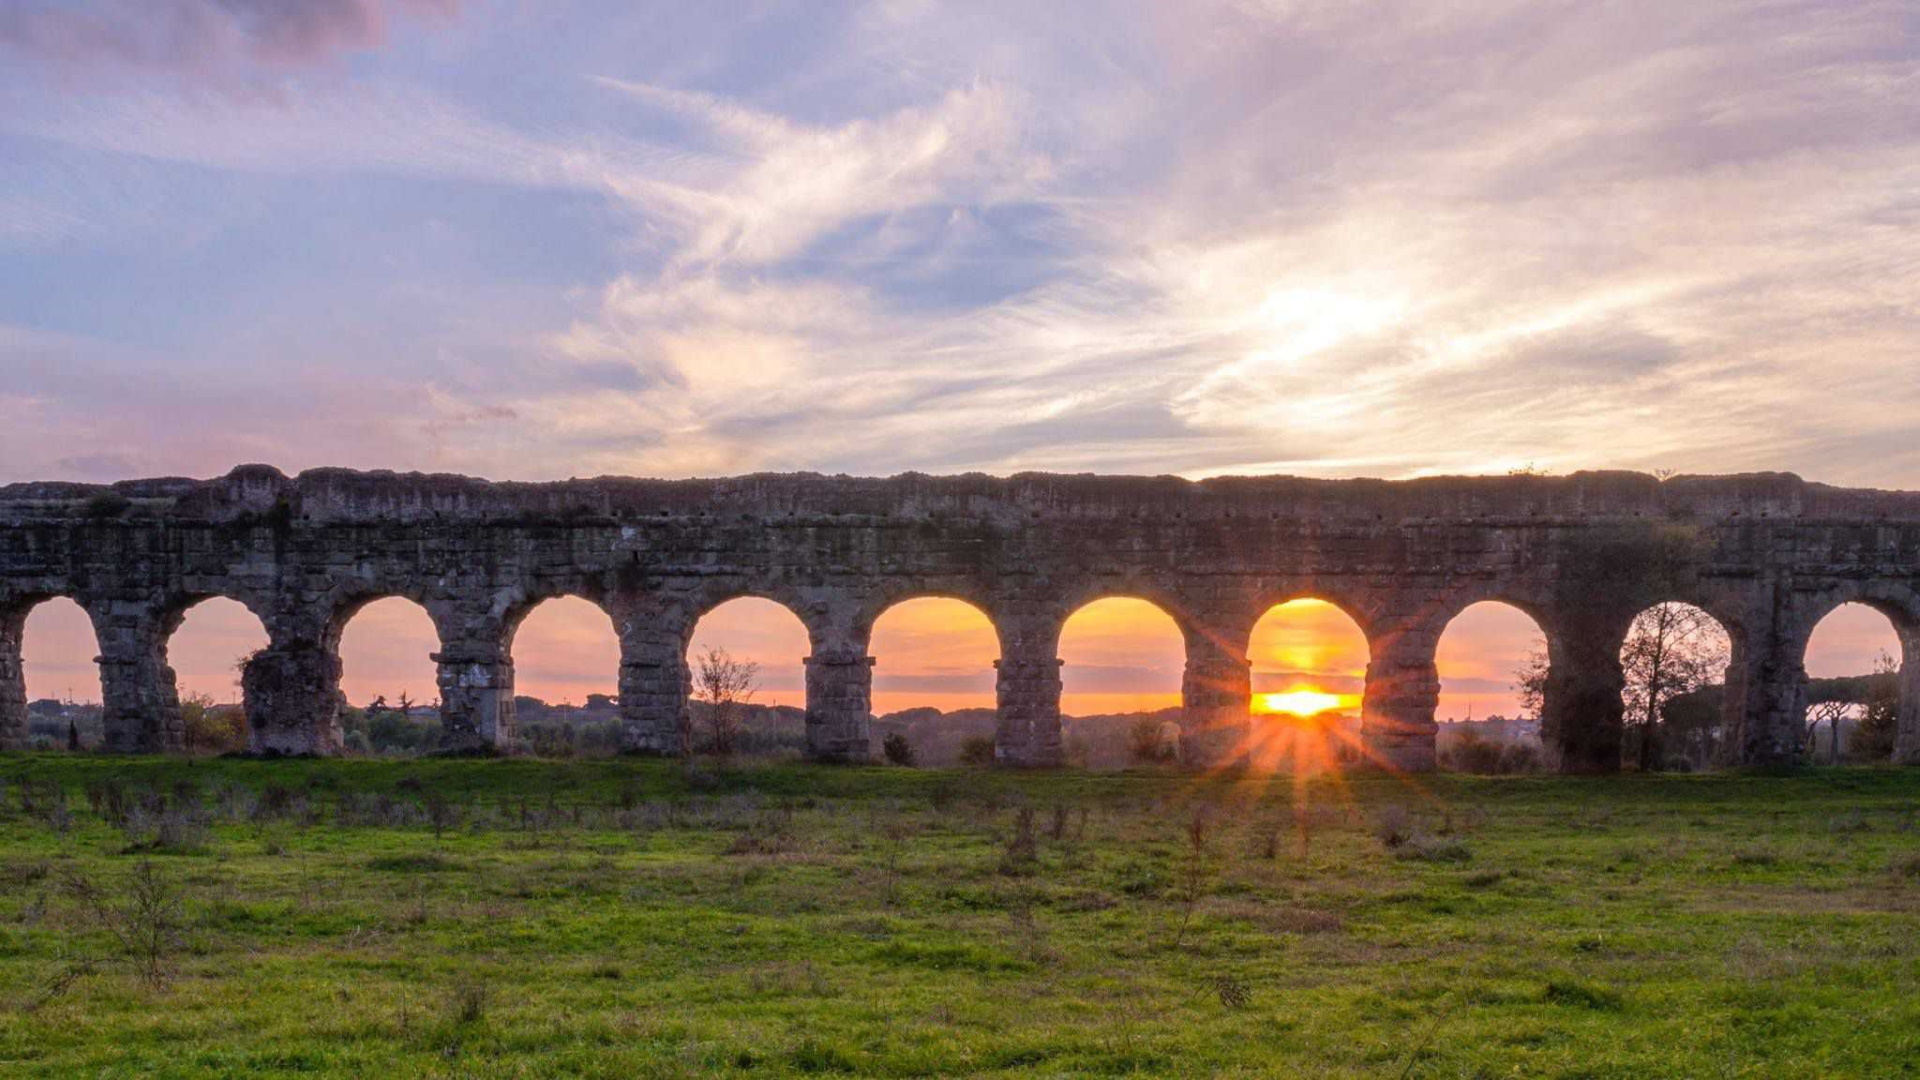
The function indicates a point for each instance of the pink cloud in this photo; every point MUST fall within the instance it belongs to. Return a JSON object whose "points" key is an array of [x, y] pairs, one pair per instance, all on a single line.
{"points": [[210, 40]]}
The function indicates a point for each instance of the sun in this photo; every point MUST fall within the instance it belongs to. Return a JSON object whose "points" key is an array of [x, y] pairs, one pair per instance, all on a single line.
{"points": [[1298, 702]]}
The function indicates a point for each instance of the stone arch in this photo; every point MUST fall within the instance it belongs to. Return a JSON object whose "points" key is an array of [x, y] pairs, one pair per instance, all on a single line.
{"points": [[208, 724], [1309, 660], [15, 719], [1672, 653], [235, 616], [592, 633], [768, 633], [1482, 655], [1821, 660], [341, 622], [982, 637], [1132, 616], [1287, 646], [757, 618]]}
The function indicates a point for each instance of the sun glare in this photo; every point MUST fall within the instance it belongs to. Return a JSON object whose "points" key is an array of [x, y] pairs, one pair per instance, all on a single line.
{"points": [[1298, 702]]}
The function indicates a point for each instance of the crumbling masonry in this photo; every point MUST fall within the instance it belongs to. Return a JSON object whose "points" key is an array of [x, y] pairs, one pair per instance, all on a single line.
{"points": [[1768, 555]]}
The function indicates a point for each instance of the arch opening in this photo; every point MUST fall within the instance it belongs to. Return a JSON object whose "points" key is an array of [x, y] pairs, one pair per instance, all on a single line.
{"points": [[1674, 666], [1123, 661], [1492, 662], [566, 679], [746, 665], [206, 651], [1308, 669], [58, 654], [389, 681], [933, 681], [1854, 663]]}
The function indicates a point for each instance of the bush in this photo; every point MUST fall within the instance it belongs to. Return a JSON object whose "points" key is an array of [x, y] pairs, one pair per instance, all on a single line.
{"points": [[897, 749], [1470, 753], [1148, 743], [977, 752]]}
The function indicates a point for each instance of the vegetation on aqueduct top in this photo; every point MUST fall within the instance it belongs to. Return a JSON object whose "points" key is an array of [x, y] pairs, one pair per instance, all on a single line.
{"points": [[626, 918]]}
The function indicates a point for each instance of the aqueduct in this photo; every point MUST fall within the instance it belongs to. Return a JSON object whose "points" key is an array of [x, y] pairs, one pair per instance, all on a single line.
{"points": [[1766, 554]]}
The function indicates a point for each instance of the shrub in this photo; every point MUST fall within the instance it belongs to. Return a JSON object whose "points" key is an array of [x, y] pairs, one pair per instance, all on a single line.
{"points": [[977, 752], [1148, 744], [1393, 826], [897, 749]]}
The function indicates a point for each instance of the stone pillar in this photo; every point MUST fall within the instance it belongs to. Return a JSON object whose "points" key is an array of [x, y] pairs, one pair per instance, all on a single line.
{"points": [[1906, 743], [13, 680], [1581, 716], [1027, 687], [140, 704], [292, 693], [1402, 692], [654, 684], [1216, 697], [476, 695], [1765, 705], [839, 705]]}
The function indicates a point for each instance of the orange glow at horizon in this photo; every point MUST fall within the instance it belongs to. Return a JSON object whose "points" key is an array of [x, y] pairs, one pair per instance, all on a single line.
{"points": [[1120, 654], [766, 633], [1479, 656], [933, 651]]}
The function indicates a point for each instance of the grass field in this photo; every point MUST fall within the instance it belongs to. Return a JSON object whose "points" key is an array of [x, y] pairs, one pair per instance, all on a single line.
{"points": [[521, 918]]}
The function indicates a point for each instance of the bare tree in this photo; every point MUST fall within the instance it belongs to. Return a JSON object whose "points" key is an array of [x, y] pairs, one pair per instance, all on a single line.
{"points": [[725, 685], [1672, 649]]}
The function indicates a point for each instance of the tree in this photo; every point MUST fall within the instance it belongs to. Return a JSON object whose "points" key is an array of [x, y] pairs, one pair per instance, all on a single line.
{"points": [[1829, 713], [1530, 681], [1879, 724], [725, 685], [897, 749], [1672, 649]]}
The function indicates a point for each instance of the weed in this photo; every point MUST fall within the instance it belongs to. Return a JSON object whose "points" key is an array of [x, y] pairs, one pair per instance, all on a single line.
{"points": [[145, 921], [1579, 994], [1021, 856], [467, 1002]]}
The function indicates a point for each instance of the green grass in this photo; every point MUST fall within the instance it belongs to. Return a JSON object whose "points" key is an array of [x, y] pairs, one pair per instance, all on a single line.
{"points": [[623, 919]]}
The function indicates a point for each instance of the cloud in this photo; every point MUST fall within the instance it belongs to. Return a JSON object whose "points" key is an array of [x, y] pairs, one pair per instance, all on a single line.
{"points": [[1283, 236], [202, 41]]}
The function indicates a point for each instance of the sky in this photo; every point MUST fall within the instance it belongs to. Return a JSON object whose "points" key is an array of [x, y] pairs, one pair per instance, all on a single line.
{"points": [[1321, 237]]}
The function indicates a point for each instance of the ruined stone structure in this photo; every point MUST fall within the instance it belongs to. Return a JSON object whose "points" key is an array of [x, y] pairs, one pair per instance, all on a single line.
{"points": [[1768, 555]]}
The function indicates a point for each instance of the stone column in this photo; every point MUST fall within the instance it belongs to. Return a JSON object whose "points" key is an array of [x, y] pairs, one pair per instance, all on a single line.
{"points": [[839, 705], [140, 704], [1402, 692], [292, 693], [1906, 743], [1581, 715], [1027, 688], [1765, 707], [476, 695], [655, 683], [1216, 696], [13, 681]]}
